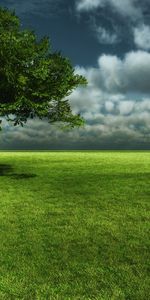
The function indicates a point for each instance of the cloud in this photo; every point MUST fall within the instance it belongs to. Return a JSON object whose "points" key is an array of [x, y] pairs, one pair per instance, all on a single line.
{"points": [[130, 8], [105, 37], [131, 74], [86, 5], [112, 122], [115, 112], [102, 131], [126, 107], [109, 18], [142, 36], [115, 75]]}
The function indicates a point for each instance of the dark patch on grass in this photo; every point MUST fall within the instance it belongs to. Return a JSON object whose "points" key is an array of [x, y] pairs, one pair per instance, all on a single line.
{"points": [[7, 170], [22, 175]]}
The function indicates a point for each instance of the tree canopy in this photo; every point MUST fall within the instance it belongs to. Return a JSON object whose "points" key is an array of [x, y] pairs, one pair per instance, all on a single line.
{"points": [[34, 82]]}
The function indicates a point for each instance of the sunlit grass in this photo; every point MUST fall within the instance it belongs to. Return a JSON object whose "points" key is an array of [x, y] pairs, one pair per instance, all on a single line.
{"points": [[74, 225]]}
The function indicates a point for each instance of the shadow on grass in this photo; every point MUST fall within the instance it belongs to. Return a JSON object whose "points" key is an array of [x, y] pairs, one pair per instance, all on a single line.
{"points": [[7, 170]]}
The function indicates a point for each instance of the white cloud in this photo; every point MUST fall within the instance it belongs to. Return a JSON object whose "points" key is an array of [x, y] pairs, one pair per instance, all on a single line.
{"points": [[113, 111], [133, 12], [142, 36], [126, 107], [88, 4], [114, 75], [110, 68], [104, 36], [128, 75], [109, 106], [129, 8]]}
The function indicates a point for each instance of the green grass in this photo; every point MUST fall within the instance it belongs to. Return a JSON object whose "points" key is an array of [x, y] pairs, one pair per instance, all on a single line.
{"points": [[74, 225]]}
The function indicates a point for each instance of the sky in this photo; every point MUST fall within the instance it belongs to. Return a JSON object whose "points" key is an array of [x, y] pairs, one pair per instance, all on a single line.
{"points": [[107, 41]]}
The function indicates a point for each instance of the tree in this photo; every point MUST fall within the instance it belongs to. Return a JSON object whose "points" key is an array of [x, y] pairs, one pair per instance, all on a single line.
{"points": [[34, 82]]}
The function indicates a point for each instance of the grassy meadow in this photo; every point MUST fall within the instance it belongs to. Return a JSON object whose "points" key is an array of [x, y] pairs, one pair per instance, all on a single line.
{"points": [[74, 225]]}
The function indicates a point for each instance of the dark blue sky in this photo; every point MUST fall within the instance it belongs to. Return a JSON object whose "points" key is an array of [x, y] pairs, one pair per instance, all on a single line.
{"points": [[109, 43]]}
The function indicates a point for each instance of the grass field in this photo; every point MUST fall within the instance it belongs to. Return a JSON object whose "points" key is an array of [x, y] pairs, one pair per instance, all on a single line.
{"points": [[74, 225]]}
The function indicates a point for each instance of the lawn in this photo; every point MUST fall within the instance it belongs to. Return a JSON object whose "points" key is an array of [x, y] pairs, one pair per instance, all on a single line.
{"points": [[74, 225]]}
